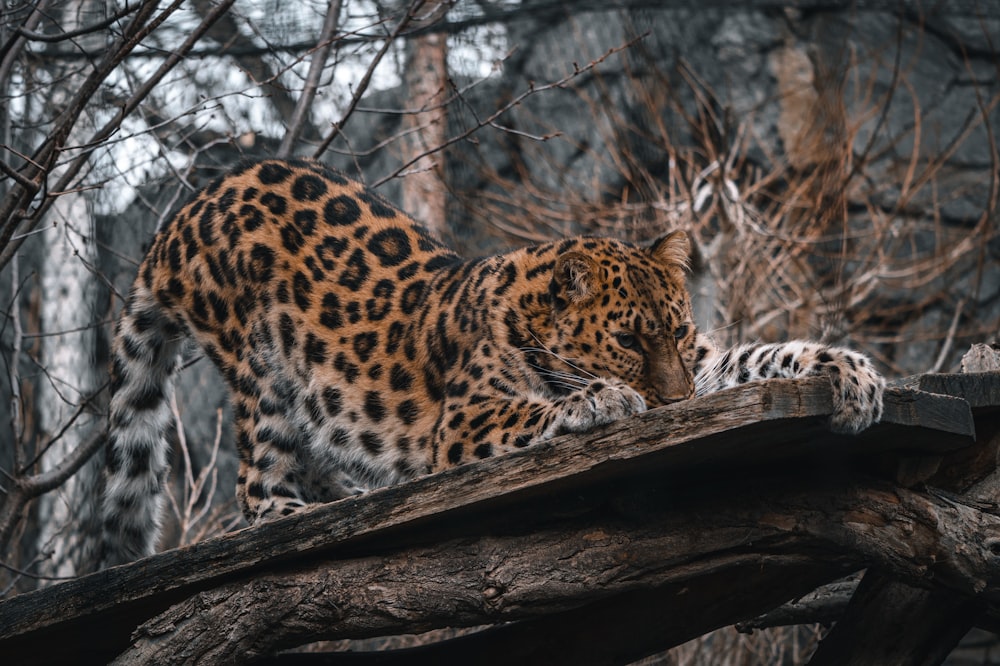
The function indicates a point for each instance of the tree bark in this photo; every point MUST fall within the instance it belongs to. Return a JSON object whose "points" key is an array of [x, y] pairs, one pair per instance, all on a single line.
{"points": [[426, 123], [69, 313], [684, 555], [705, 512]]}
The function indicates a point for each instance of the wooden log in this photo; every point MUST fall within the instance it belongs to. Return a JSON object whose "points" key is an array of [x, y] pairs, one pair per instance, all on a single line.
{"points": [[763, 425], [824, 605], [828, 603], [932, 623], [619, 630], [890, 622], [692, 551]]}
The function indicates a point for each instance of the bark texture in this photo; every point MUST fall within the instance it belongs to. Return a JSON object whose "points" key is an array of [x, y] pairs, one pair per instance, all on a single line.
{"points": [[470, 582], [622, 542]]}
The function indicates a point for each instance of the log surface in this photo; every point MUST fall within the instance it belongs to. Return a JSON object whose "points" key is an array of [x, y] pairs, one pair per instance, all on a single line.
{"points": [[612, 513]]}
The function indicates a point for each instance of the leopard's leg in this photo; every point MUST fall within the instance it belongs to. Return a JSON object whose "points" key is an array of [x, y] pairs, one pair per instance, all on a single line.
{"points": [[268, 443], [857, 386], [600, 402], [494, 424]]}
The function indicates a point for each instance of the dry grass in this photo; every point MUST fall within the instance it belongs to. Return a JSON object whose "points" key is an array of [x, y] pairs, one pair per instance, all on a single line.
{"points": [[829, 239]]}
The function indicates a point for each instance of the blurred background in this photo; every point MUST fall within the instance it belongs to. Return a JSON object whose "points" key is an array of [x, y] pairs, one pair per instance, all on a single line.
{"points": [[836, 161]]}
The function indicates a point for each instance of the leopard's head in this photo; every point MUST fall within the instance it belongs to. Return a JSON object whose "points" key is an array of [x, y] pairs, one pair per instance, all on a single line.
{"points": [[624, 312]]}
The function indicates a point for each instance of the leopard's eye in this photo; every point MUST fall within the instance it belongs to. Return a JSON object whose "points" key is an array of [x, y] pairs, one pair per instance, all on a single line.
{"points": [[681, 331], [627, 340]]}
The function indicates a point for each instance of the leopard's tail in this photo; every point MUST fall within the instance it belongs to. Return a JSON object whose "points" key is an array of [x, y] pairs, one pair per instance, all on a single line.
{"points": [[144, 359]]}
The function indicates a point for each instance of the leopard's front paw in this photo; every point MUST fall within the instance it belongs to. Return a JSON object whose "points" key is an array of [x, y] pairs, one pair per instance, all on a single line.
{"points": [[857, 393], [602, 401]]}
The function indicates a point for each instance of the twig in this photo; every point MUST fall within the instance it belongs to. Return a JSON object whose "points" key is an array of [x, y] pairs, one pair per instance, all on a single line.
{"points": [[46, 154], [86, 30], [16, 424], [205, 475], [949, 338], [10, 50], [83, 404], [24, 182], [74, 460], [316, 66], [186, 455], [366, 79], [28, 574], [194, 488], [490, 120], [17, 201], [861, 158]]}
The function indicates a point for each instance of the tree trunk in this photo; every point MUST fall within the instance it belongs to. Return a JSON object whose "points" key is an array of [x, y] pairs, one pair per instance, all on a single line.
{"points": [[69, 318], [426, 123]]}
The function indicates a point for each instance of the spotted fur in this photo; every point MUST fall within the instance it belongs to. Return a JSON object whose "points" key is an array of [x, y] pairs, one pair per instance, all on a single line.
{"points": [[360, 352], [857, 386]]}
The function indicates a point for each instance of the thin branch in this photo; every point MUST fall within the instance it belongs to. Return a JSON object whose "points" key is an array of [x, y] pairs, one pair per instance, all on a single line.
{"points": [[86, 30], [28, 574], [15, 205], [209, 473], [68, 466], [14, 375], [492, 118], [8, 170], [541, 12], [949, 338], [80, 408], [94, 325], [10, 50], [11, 245], [366, 79], [24, 489], [316, 67]]}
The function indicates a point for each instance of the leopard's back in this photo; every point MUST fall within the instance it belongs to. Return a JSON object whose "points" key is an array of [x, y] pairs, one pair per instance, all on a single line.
{"points": [[302, 287]]}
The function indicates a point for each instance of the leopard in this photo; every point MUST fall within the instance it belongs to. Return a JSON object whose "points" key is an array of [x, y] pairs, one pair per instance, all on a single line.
{"points": [[359, 351]]}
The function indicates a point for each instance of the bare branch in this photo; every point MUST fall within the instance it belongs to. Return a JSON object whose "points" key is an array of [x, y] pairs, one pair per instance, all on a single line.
{"points": [[52, 479], [362, 86], [13, 173], [14, 46], [13, 370], [10, 245], [86, 30], [316, 66], [26, 488], [493, 117], [14, 206]]}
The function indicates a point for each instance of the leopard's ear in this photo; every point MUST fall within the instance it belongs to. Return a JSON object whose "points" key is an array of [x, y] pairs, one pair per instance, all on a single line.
{"points": [[672, 249], [575, 279]]}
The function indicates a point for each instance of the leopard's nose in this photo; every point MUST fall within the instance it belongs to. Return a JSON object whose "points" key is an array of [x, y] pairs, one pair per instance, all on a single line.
{"points": [[657, 399], [676, 395]]}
